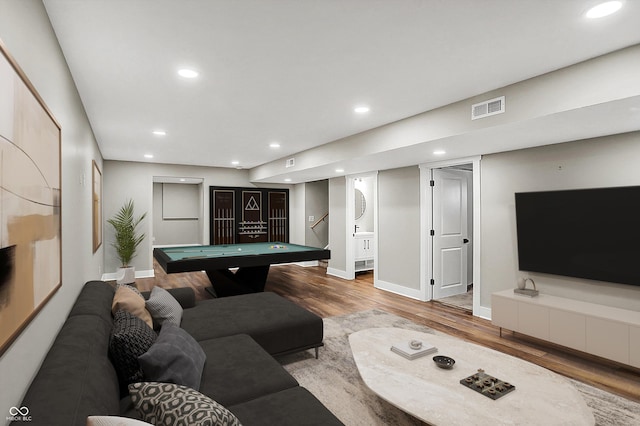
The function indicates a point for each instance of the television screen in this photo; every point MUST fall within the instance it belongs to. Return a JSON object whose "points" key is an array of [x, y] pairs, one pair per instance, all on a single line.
{"points": [[585, 233]]}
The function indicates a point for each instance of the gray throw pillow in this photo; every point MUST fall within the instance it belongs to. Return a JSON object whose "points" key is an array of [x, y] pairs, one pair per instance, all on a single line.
{"points": [[175, 357], [165, 403], [163, 307]]}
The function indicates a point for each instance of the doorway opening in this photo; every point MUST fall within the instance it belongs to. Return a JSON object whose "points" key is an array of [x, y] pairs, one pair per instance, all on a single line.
{"points": [[452, 223], [450, 228], [361, 247]]}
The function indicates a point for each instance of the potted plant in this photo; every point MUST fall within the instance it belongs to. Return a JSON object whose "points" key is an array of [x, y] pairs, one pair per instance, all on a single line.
{"points": [[127, 240]]}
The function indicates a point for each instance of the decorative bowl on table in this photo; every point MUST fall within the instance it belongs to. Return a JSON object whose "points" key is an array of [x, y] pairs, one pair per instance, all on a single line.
{"points": [[444, 361]]}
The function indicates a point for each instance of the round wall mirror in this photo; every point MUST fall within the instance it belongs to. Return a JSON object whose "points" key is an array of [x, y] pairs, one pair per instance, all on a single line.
{"points": [[361, 203]]}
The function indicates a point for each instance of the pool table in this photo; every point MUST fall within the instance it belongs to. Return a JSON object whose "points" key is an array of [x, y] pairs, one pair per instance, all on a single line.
{"points": [[251, 259]]}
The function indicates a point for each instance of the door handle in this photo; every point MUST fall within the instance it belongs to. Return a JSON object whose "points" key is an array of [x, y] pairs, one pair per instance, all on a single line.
{"points": [[465, 241]]}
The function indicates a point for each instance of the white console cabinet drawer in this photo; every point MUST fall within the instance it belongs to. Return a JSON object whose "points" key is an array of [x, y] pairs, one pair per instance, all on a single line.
{"points": [[608, 339], [533, 320], [568, 329], [504, 312]]}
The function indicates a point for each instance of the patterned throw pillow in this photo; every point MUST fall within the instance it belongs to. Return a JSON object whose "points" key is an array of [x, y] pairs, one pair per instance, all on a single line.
{"points": [[164, 307], [175, 357], [176, 405], [130, 299], [130, 338]]}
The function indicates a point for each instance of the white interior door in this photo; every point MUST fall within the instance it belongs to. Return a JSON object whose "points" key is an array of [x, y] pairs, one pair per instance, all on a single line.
{"points": [[450, 235]]}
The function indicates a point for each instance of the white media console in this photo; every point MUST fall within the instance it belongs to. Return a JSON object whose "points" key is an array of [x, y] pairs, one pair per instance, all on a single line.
{"points": [[605, 331]]}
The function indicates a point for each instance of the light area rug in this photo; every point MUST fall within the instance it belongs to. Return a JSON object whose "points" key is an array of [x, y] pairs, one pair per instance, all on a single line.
{"points": [[335, 381]]}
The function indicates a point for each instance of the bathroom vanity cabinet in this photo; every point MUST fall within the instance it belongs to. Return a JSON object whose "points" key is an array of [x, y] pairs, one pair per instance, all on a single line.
{"points": [[364, 246]]}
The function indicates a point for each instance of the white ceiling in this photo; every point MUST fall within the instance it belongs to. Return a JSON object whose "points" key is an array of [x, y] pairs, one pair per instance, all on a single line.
{"points": [[291, 71]]}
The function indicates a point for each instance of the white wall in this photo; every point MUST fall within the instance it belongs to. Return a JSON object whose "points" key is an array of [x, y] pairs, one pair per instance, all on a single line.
{"points": [[26, 32], [124, 180], [600, 162]]}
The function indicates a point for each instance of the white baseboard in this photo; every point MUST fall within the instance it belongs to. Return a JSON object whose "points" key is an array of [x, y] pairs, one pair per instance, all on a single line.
{"points": [[176, 245], [482, 312], [412, 293], [112, 276], [338, 273]]}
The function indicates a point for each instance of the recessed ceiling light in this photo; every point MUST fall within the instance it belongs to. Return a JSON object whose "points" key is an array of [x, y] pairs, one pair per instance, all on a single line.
{"points": [[159, 133], [235, 163], [439, 152], [188, 73], [274, 145], [603, 9], [339, 170], [148, 156], [287, 180], [361, 109], [183, 180]]}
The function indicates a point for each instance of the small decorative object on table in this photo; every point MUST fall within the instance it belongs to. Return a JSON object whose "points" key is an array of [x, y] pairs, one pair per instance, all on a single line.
{"points": [[415, 344], [444, 361], [487, 385], [523, 290], [413, 349]]}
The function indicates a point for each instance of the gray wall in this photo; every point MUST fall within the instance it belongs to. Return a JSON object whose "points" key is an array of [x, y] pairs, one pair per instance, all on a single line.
{"points": [[601, 162], [297, 221], [316, 205], [337, 226], [399, 227], [174, 230], [27, 34]]}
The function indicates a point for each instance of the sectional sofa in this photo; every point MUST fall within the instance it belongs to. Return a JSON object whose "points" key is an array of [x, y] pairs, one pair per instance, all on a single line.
{"points": [[223, 347]]}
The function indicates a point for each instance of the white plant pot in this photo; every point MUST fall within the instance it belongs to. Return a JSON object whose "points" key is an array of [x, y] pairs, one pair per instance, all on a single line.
{"points": [[126, 275]]}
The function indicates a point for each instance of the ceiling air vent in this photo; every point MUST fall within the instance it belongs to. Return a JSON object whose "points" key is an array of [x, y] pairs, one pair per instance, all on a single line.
{"points": [[290, 162], [487, 108]]}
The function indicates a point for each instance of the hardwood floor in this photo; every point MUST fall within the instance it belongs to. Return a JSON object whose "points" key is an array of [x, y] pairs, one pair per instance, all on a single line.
{"points": [[329, 296]]}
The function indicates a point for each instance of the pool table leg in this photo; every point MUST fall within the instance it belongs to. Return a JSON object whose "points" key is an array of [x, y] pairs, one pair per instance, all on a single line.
{"points": [[244, 280]]}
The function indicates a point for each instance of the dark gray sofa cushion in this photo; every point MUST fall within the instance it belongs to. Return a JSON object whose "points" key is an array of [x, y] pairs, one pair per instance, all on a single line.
{"points": [[76, 378], [277, 324], [291, 407], [238, 369], [175, 357]]}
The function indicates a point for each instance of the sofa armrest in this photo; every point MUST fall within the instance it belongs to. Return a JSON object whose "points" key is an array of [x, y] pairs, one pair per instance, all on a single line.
{"points": [[184, 295]]}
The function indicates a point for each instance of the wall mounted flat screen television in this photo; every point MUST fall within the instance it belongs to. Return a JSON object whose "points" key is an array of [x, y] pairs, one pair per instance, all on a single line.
{"points": [[584, 233]]}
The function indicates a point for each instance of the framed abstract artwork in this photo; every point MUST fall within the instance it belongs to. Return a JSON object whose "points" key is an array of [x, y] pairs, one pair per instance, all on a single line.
{"points": [[30, 201], [97, 206]]}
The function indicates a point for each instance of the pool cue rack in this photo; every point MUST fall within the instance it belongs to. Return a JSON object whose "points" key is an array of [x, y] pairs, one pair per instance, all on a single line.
{"points": [[246, 215]]}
